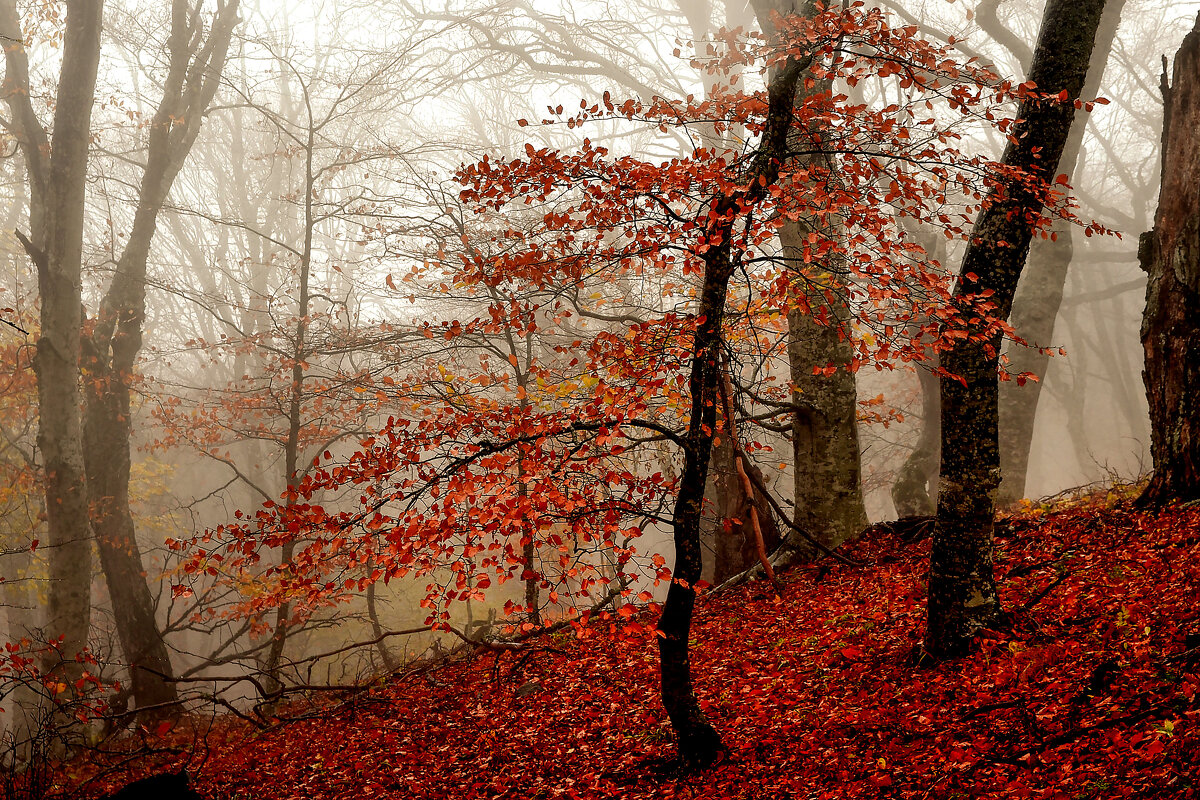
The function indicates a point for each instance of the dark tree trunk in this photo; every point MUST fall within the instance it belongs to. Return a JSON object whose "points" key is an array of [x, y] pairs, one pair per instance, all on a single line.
{"points": [[699, 742], [1039, 296], [962, 590], [112, 345], [1170, 255]]}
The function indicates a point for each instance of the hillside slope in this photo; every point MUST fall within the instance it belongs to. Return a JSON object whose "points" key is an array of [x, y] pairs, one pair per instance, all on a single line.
{"points": [[1088, 692]]}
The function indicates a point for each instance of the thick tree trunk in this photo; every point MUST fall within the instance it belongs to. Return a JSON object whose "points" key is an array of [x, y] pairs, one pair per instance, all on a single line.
{"points": [[57, 172], [962, 591], [828, 490], [1039, 296], [109, 354], [1170, 254], [827, 481]]}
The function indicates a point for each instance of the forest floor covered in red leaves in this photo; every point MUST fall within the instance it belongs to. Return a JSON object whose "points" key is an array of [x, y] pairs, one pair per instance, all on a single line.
{"points": [[1087, 691]]}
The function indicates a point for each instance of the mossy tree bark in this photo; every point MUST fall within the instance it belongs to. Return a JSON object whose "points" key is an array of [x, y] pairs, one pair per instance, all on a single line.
{"points": [[1170, 255], [962, 590], [827, 482]]}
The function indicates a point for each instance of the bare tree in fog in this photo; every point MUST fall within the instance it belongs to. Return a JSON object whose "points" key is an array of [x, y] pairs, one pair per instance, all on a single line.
{"points": [[195, 58]]}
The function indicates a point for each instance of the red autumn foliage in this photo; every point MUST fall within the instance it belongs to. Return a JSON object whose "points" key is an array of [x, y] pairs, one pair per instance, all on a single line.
{"points": [[466, 475], [1089, 693]]}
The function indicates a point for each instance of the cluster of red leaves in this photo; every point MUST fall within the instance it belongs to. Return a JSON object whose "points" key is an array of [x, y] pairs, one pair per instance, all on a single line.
{"points": [[83, 699], [1089, 692], [465, 477]]}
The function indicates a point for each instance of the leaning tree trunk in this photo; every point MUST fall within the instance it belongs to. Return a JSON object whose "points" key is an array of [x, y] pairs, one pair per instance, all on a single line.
{"points": [[1170, 254], [962, 589], [110, 351], [1039, 296], [699, 742]]}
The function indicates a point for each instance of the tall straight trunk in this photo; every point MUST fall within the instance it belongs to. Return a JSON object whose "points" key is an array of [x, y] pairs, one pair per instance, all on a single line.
{"points": [[1170, 254], [1039, 296], [826, 463], [719, 538], [295, 419], [699, 742], [827, 480], [962, 590], [57, 171], [110, 351]]}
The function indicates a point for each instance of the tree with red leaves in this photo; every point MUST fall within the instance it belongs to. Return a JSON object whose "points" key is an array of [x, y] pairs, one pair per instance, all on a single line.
{"points": [[453, 491]]}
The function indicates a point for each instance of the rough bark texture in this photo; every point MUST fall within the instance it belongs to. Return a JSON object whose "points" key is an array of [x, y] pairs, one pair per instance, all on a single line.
{"points": [[962, 590], [826, 463], [57, 170], [111, 349], [1170, 254], [828, 489], [699, 742], [1040, 293]]}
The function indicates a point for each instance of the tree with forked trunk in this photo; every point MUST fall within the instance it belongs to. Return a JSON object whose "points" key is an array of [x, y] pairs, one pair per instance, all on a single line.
{"points": [[86, 453]]}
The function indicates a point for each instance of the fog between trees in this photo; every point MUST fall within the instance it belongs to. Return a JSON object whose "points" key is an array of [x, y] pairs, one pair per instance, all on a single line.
{"points": [[271, 266]]}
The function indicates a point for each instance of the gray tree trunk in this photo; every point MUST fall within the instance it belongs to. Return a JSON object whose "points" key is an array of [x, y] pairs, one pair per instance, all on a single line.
{"points": [[826, 461], [57, 171], [111, 351]]}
